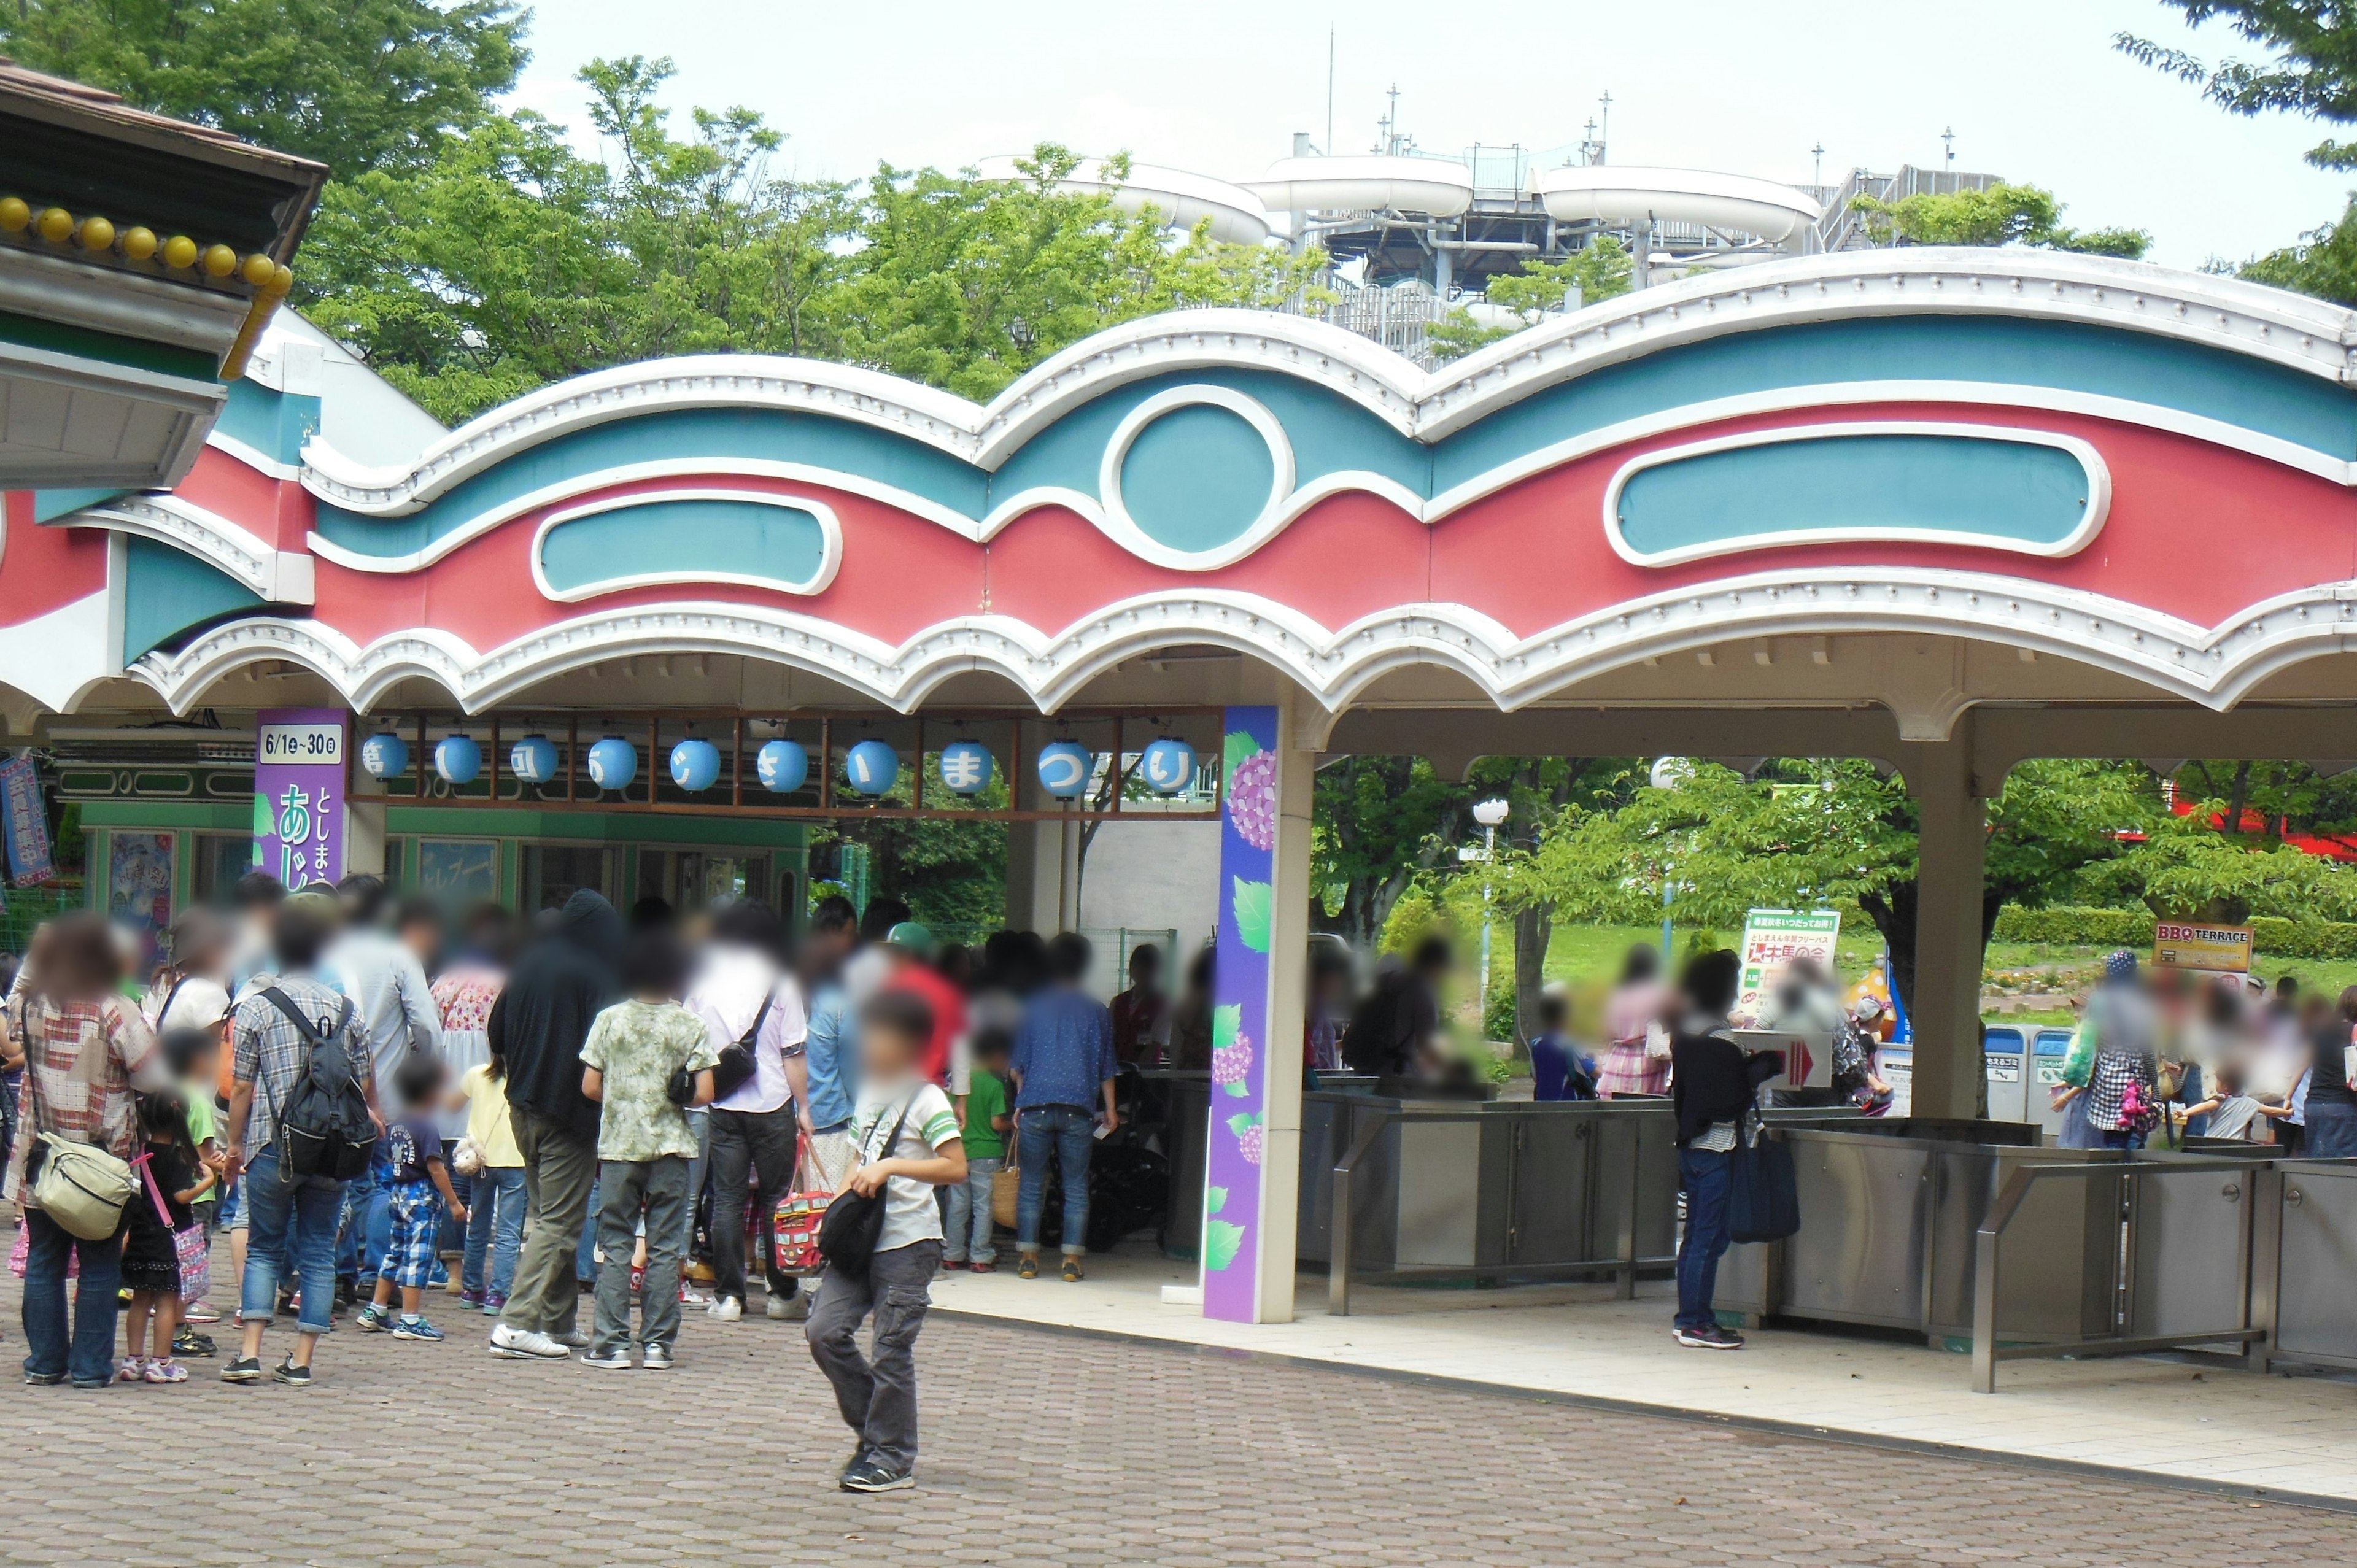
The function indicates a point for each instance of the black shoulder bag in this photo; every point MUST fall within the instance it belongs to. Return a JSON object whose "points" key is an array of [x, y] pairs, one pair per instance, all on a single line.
{"points": [[853, 1221], [737, 1065]]}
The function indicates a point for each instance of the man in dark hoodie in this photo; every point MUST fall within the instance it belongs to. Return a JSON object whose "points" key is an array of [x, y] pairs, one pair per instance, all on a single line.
{"points": [[537, 1027]]}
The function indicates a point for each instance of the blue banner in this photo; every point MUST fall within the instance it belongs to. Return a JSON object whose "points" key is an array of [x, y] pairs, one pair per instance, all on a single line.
{"points": [[23, 825]]}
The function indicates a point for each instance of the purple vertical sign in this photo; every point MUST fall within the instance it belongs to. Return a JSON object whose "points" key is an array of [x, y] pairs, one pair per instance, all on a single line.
{"points": [[1241, 1053], [25, 822], [298, 793]]}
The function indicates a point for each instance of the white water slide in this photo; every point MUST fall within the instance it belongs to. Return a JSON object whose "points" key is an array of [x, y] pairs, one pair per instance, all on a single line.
{"points": [[1616, 194], [1183, 199]]}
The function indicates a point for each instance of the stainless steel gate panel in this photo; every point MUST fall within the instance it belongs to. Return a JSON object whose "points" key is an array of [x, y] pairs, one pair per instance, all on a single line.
{"points": [[2316, 1295], [2059, 1285], [1858, 1257], [1553, 1184], [1437, 1196], [2190, 1242]]}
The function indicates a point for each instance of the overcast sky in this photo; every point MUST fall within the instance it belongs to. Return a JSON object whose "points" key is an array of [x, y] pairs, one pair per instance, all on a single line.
{"points": [[2033, 87]]}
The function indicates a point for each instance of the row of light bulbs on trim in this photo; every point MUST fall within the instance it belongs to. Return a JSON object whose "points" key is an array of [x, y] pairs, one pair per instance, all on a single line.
{"points": [[870, 767]]}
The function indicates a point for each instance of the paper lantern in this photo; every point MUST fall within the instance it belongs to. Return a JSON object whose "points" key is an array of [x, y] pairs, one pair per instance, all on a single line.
{"points": [[783, 766], [385, 754], [871, 767], [458, 759], [1064, 769], [613, 763], [533, 759], [965, 767], [694, 763], [1169, 765]]}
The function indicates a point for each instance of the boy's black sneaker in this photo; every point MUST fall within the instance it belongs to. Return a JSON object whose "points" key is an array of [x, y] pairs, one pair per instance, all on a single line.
{"points": [[244, 1370], [873, 1477], [189, 1342], [293, 1376]]}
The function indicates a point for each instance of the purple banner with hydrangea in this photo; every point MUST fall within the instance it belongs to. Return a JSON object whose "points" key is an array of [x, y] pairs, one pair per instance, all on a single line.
{"points": [[1240, 1056]]}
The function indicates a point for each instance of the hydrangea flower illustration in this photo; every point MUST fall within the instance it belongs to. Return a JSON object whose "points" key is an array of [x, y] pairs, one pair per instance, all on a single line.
{"points": [[1252, 799], [1231, 1064], [1248, 1141]]}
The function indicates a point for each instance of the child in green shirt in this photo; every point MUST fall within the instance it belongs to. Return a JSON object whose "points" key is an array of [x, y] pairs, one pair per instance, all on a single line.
{"points": [[985, 1123]]}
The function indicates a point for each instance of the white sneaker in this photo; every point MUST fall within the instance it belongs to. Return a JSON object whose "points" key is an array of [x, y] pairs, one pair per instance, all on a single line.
{"points": [[727, 1309], [792, 1308], [518, 1345], [655, 1357], [578, 1340]]}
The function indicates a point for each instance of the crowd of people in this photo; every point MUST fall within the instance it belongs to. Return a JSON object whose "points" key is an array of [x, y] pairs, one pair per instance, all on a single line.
{"points": [[329, 1099]]}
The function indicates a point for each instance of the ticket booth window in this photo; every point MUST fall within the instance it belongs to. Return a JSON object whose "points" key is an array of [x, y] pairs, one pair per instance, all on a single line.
{"points": [[694, 879], [554, 872], [220, 860]]}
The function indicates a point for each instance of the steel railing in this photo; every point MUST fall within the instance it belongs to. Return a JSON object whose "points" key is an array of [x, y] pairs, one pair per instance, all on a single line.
{"points": [[2241, 1181]]}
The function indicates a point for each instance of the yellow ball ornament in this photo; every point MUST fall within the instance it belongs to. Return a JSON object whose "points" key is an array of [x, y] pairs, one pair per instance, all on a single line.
{"points": [[258, 270], [14, 214], [281, 280], [179, 251], [97, 234], [55, 225], [220, 261], [139, 243]]}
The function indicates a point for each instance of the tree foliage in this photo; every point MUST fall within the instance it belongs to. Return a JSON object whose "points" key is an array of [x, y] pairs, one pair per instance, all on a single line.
{"points": [[511, 261], [2309, 66], [2000, 214], [1598, 271], [357, 84]]}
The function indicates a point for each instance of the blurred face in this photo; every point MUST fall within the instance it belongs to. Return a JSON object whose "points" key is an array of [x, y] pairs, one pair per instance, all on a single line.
{"points": [[887, 1054]]}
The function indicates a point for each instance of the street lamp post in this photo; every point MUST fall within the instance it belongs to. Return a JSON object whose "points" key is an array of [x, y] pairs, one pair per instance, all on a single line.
{"points": [[1489, 814], [1668, 773]]}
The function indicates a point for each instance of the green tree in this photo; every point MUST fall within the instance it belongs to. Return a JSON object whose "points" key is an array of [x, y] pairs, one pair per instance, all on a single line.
{"points": [[2185, 869], [1378, 823], [357, 84], [1598, 271], [2001, 214]]}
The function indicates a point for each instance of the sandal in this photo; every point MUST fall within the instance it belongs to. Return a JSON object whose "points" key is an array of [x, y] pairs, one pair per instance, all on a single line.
{"points": [[1029, 1268], [1071, 1269]]}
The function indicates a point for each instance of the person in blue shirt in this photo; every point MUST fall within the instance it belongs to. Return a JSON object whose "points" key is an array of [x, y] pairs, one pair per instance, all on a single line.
{"points": [[1559, 1068], [825, 1076], [1064, 1066]]}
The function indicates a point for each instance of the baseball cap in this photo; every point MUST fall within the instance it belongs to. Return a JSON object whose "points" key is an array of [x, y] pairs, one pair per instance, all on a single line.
{"points": [[911, 935]]}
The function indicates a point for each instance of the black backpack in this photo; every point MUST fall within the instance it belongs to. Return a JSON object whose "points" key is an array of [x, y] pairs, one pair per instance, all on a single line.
{"points": [[324, 1128]]}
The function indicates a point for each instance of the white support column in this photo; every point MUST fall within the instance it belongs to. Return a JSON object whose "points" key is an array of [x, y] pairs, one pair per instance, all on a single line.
{"points": [[1953, 849], [1043, 861], [1253, 1167]]}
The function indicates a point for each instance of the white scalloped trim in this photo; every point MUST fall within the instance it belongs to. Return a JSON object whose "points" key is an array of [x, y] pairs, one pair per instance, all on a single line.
{"points": [[2286, 328], [2212, 666]]}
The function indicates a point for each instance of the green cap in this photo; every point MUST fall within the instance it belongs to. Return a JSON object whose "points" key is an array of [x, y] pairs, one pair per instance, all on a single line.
{"points": [[911, 935]]}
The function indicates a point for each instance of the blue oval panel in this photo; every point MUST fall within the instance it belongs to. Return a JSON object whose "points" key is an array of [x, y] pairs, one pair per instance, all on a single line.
{"points": [[682, 540], [1196, 478], [1889, 486]]}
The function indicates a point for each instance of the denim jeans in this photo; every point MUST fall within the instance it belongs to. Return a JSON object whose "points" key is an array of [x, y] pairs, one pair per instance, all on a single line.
{"points": [[90, 1361], [1704, 1174], [290, 1230], [967, 1230], [494, 1227], [1069, 1131], [746, 1148], [2331, 1131], [585, 1255], [364, 1226]]}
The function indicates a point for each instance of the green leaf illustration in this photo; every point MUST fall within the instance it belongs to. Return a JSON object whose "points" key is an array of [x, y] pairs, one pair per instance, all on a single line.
{"points": [[1254, 910], [1235, 1090], [1221, 1241], [1215, 1198], [1238, 745], [1242, 1120], [1227, 1023]]}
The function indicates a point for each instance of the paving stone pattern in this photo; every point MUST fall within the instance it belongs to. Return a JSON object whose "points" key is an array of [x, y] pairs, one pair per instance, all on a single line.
{"points": [[1039, 1447]]}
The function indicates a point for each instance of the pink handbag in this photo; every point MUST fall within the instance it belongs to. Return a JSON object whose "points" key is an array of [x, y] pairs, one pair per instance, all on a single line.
{"points": [[188, 1241]]}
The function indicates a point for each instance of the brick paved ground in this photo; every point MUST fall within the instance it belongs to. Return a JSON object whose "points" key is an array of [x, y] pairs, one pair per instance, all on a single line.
{"points": [[1039, 1447]]}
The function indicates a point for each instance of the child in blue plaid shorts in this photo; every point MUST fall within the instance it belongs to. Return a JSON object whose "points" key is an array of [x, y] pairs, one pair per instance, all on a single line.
{"points": [[421, 1186]]}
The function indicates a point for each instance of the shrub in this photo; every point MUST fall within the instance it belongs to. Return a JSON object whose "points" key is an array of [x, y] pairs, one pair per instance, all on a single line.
{"points": [[2066, 926]]}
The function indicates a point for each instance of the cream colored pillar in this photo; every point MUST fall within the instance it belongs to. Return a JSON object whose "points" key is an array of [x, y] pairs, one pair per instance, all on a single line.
{"points": [[1951, 854]]}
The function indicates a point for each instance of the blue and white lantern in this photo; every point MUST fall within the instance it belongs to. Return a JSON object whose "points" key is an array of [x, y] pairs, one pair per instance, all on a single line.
{"points": [[784, 764], [694, 763], [965, 767], [871, 767], [1064, 769], [613, 763], [533, 759], [1169, 765], [457, 759], [385, 754]]}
